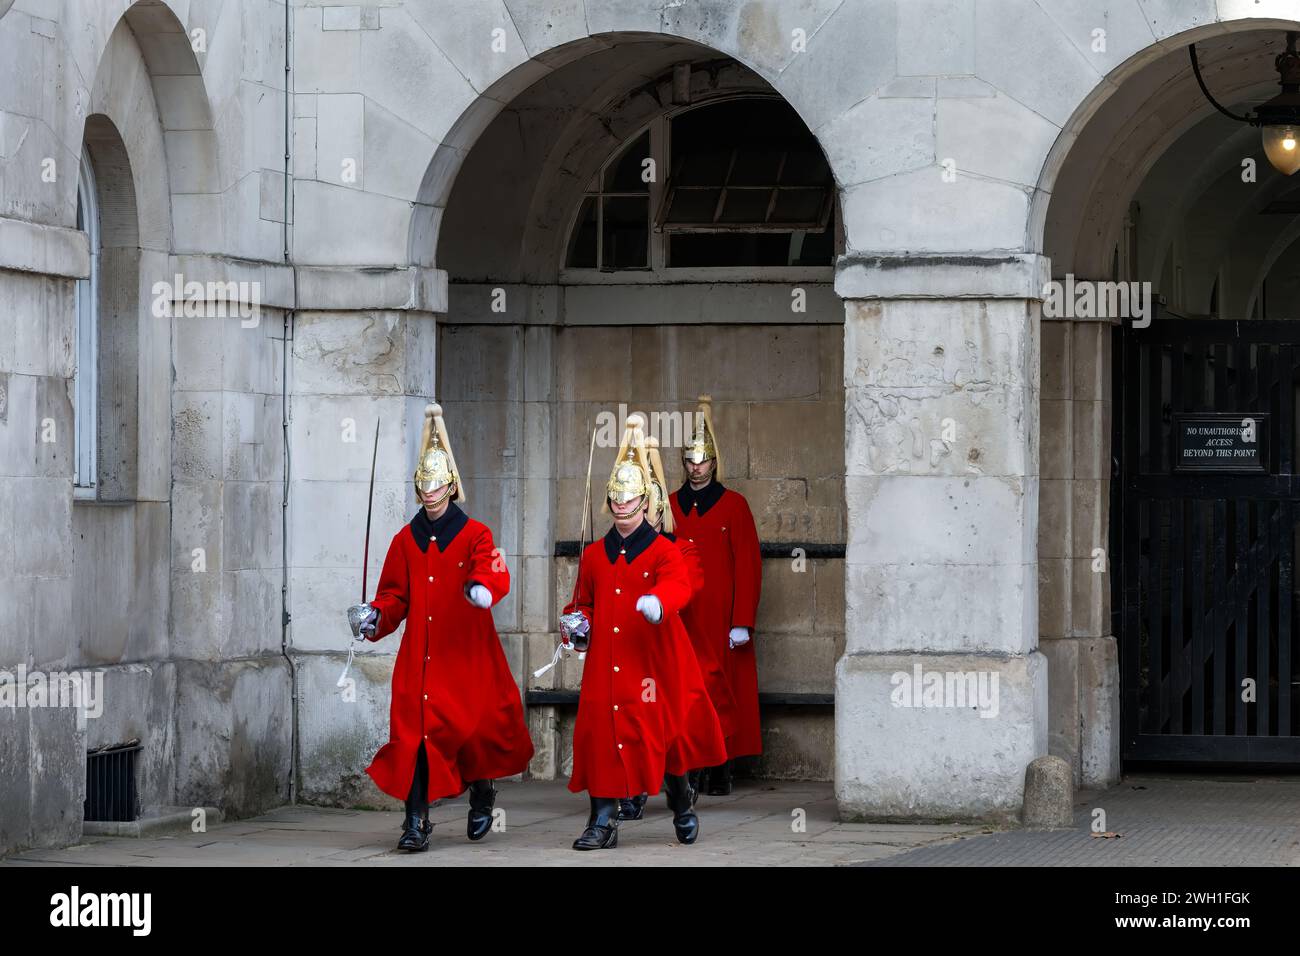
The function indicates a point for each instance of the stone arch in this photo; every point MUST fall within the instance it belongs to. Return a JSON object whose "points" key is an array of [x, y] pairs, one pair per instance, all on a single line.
{"points": [[514, 378], [762, 37], [597, 126], [140, 54], [1105, 150], [1144, 135]]}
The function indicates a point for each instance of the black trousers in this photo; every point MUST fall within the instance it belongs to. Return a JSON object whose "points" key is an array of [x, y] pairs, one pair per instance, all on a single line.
{"points": [[419, 794]]}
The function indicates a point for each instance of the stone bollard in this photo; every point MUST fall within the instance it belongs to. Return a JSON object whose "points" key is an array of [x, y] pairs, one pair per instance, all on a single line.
{"points": [[1049, 794]]}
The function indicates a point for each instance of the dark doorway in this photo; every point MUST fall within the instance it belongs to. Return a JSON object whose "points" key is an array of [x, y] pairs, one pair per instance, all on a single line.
{"points": [[1203, 536]]}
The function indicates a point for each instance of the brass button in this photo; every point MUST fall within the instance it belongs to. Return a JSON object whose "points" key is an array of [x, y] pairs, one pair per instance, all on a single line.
{"points": [[431, 577], [691, 540], [615, 668], [618, 590], [426, 696], [431, 617], [645, 574], [434, 537], [623, 551], [615, 630], [620, 746], [460, 564], [616, 706]]}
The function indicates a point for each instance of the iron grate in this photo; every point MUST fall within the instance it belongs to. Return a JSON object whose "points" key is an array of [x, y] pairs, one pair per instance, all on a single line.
{"points": [[111, 794]]}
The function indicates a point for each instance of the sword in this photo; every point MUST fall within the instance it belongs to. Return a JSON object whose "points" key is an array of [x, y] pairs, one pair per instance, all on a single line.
{"points": [[365, 559], [582, 546], [370, 507]]}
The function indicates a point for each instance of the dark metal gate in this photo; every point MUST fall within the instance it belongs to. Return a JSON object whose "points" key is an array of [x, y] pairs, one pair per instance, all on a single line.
{"points": [[1203, 550]]}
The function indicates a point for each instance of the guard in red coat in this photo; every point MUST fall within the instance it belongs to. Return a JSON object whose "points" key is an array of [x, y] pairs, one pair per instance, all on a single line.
{"points": [[707, 746], [456, 720], [640, 694], [720, 619]]}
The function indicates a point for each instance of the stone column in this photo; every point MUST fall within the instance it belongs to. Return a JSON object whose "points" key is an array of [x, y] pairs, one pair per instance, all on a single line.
{"points": [[941, 695], [1074, 617], [364, 350], [42, 749]]}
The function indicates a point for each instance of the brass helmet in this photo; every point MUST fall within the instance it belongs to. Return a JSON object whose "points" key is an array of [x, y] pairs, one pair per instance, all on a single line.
{"points": [[631, 475], [659, 508], [703, 444], [437, 464]]}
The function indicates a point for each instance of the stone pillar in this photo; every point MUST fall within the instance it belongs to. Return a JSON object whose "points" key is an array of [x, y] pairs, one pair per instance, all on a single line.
{"points": [[42, 749], [1074, 614], [941, 695], [364, 349]]}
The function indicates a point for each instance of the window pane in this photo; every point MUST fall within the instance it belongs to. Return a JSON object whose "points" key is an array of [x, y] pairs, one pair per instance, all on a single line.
{"points": [[728, 249], [703, 167], [805, 167], [746, 205], [751, 249], [755, 167], [582, 244], [624, 176], [817, 249], [626, 240], [693, 205], [798, 205]]}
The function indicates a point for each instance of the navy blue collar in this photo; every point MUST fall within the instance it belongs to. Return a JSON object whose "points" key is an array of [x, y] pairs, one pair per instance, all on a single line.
{"points": [[444, 530], [702, 500], [631, 546]]}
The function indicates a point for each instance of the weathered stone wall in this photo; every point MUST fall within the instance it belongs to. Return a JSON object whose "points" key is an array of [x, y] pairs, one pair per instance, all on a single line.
{"points": [[949, 126]]}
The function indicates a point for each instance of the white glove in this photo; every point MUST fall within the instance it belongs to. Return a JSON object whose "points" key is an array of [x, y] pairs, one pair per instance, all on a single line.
{"points": [[650, 607], [363, 619], [738, 636], [479, 596]]}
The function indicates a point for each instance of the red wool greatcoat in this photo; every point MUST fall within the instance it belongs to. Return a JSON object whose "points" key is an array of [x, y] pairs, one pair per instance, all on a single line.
{"points": [[643, 710], [453, 691], [718, 522], [706, 749]]}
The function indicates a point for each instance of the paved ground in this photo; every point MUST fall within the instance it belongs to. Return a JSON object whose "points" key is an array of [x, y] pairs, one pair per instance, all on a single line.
{"points": [[1152, 821], [1160, 821], [753, 826]]}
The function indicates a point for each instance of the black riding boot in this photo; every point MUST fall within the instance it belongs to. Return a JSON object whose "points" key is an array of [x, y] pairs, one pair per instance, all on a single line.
{"points": [[416, 827], [720, 780], [632, 808], [699, 781], [482, 797], [602, 826], [681, 801]]}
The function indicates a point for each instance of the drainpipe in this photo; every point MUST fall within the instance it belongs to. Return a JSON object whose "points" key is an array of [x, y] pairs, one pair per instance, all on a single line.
{"points": [[286, 643]]}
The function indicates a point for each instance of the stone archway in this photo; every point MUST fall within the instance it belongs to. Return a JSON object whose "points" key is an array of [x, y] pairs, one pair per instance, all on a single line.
{"points": [[530, 351], [1146, 184]]}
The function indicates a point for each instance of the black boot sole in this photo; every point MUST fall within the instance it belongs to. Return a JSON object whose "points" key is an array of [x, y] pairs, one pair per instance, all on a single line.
{"points": [[414, 849], [476, 834], [608, 844]]}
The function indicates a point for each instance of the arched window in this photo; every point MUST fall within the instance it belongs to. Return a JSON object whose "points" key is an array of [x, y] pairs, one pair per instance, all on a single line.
{"points": [[743, 184], [85, 376]]}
